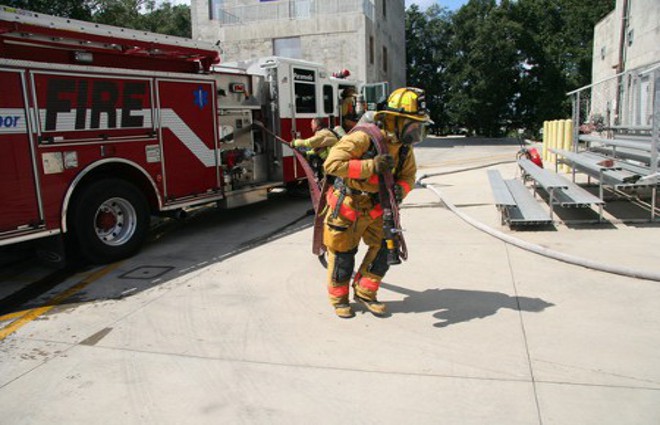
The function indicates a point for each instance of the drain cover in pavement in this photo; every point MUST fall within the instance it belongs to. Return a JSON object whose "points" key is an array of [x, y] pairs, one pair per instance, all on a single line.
{"points": [[146, 272]]}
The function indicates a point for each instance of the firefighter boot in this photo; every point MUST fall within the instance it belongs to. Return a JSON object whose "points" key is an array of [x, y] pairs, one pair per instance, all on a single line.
{"points": [[367, 295], [376, 307], [339, 300], [344, 311]]}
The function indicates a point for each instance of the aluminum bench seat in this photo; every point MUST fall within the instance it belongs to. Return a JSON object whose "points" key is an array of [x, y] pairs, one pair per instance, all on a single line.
{"points": [[548, 180], [619, 176], [632, 143], [576, 197], [516, 204], [623, 153], [561, 191], [614, 176], [601, 155]]}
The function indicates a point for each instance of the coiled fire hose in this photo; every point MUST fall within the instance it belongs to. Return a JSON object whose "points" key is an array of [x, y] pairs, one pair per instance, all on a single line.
{"points": [[534, 248]]}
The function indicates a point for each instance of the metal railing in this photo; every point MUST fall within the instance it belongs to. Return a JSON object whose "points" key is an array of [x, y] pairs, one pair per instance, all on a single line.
{"points": [[622, 100], [291, 10], [626, 103]]}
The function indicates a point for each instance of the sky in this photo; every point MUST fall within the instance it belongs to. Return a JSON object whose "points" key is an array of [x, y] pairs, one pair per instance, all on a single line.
{"points": [[449, 4]]}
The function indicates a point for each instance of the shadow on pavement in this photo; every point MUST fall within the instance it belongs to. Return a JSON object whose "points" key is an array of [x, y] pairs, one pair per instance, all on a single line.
{"points": [[174, 248], [453, 306]]}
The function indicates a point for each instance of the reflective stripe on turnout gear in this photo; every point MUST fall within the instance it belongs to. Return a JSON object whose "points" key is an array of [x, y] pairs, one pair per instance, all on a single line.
{"points": [[368, 284], [376, 212], [406, 187], [354, 168], [338, 291]]}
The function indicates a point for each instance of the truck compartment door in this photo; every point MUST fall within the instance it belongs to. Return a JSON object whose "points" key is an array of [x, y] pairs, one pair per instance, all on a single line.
{"points": [[18, 186], [189, 138]]}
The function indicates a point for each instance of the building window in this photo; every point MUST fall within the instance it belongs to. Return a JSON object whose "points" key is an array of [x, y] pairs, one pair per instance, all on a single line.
{"points": [[300, 9], [305, 90], [384, 59], [631, 35], [384, 9], [287, 47], [328, 100], [215, 8], [371, 50]]}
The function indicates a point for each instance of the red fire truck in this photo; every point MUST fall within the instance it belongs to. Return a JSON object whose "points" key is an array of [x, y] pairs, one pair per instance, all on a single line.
{"points": [[102, 127]]}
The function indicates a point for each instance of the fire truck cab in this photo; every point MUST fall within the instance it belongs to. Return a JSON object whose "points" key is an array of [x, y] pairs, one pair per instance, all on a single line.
{"points": [[101, 127], [295, 92]]}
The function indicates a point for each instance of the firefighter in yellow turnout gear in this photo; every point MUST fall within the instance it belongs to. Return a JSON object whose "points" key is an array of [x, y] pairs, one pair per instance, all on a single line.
{"points": [[318, 145], [353, 211]]}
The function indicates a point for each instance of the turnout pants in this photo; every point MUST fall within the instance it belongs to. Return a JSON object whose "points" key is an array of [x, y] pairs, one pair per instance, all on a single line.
{"points": [[345, 225]]}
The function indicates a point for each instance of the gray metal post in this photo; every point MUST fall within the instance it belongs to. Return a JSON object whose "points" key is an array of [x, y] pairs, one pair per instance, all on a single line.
{"points": [[655, 132], [576, 129], [655, 135]]}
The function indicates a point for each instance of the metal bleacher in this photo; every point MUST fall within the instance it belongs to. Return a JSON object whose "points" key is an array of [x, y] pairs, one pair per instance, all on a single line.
{"points": [[561, 191], [517, 205], [623, 164], [618, 148]]}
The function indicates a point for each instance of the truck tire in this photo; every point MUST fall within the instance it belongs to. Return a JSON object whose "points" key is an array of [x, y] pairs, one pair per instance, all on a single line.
{"points": [[109, 220]]}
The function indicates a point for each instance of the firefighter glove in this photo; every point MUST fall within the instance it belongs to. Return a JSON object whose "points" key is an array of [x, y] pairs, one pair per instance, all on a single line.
{"points": [[383, 163], [297, 143], [399, 193]]}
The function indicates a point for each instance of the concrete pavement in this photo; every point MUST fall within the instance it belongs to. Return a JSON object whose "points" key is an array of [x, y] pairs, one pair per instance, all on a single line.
{"points": [[480, 332]]}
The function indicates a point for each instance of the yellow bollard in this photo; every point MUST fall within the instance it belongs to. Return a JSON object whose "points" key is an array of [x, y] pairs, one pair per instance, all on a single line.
{"points": [[546, 139], [547, 150], [568, 140], [553, 140], [559, 144]]}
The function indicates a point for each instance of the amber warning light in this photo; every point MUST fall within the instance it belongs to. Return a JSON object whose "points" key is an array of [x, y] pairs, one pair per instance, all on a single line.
{"points": [[237, 88]]}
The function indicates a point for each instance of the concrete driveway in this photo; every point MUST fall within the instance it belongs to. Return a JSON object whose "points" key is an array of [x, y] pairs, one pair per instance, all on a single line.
{"points": [[225, 321]]}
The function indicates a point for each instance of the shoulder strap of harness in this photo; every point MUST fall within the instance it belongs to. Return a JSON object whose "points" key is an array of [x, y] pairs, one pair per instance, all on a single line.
{"points": [[403, 154], [334, 133], [378, 142], [374, 134]]}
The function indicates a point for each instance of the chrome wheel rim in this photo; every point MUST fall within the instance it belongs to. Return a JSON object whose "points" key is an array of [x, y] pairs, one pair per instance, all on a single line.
{"points": [[115, 221]]}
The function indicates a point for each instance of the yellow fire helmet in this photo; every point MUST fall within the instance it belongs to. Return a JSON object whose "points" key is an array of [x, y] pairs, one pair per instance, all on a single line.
{"points": [[407, 102]]}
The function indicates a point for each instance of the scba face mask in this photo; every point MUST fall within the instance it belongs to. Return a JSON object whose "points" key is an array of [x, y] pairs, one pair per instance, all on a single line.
{"points": [[413, 132]]}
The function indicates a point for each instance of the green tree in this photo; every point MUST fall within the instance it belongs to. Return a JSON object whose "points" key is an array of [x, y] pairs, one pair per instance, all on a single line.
{"points": [[485, 68], [168, 19], [75, 9], [543, 83], [146, 15], [427, 56], [556, 44], [495, 65], [123, 13]]}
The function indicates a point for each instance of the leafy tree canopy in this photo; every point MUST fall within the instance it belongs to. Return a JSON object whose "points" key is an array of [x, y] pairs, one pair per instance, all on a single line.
{"points": [[146, 15], [497, 65]]}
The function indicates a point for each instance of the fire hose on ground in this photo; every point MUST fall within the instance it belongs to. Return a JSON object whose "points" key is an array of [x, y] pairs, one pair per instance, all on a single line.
{"points": [[534, 248]]}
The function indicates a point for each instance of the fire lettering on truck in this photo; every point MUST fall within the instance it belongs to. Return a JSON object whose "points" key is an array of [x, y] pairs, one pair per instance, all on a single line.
{"points": [[94, 104]]}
